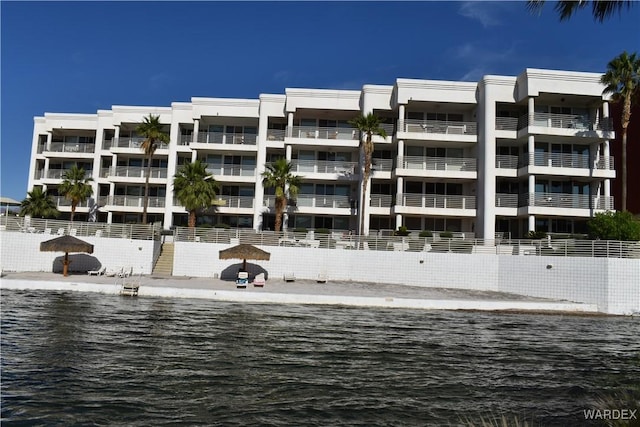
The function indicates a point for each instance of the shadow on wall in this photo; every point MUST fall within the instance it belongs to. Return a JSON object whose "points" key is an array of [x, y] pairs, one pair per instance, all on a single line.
{"points": [[80, 263], [231, 273]]}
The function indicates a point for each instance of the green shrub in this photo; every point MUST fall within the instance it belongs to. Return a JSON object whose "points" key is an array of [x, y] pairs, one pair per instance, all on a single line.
{"points": [[426, 233], [614, 226], [221, 225], [402, 231], [322, 231], [300, 230], [446, 234], [535, 235]]}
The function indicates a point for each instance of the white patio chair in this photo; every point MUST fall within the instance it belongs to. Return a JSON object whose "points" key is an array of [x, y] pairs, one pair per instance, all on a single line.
{"points": [[99, 272]]}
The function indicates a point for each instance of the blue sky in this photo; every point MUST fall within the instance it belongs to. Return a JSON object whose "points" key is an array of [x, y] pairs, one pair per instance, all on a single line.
{"points": [[78, 57]]}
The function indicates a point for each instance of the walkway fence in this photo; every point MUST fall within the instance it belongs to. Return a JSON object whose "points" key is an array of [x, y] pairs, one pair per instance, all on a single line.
{"points": [[330, 239]]}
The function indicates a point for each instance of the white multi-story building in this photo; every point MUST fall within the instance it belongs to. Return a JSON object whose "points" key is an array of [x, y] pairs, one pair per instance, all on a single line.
{"points": [[506, 154]]}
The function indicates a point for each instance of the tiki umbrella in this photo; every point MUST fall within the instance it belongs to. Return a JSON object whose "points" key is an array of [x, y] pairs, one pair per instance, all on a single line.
{"points": [[66, 244], [245, 252]]}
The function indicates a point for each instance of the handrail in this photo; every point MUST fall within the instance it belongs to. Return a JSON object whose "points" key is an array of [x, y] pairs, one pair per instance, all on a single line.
{"points": [[440, 127], [313, 132], [436, 201], [437, 163], [579, 122], [324, 166]]}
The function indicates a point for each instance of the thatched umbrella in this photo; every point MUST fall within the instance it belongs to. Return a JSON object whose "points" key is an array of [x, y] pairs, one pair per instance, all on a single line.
{"points": [[245, 252], [66, 244]]}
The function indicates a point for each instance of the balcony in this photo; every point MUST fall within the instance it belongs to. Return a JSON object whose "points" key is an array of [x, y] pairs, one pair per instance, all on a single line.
{"points": [[133, 172], [60, 173], [437, 163], [333, 167], [439, 127], [62, 201], [185, 139], [231, 170], [438, 201], [275, 134], [382, 165], [506, 200], [236, 202], [507, 162], [312, 132], [381, 201], [320, 201], [131, 201], [69, 147], [134, 142], [507, 123], [226, 138], [566, 201]]}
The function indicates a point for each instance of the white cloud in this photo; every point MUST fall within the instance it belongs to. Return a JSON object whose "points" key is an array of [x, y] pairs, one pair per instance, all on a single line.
{"points": [[484, 12]]}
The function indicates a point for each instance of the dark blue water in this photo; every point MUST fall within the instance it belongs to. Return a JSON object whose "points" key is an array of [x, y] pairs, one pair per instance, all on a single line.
{"points": [[91, 359]]}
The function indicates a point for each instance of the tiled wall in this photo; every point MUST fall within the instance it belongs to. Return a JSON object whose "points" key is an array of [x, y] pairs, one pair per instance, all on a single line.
{"points": [[612, 284]]}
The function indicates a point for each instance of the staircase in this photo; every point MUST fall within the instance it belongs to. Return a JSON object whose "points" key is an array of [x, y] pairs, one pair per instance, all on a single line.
{"points": [[164, 265]]}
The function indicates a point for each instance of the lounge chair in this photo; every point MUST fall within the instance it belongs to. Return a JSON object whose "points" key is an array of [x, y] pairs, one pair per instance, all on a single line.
{"points": [[126, 272], [99, 272], [289, 277], [113, 273], [242, 280], [259, 281]]}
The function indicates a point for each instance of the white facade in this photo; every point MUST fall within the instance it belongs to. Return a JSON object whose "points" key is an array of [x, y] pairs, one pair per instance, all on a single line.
{"points": [[507, 155]]}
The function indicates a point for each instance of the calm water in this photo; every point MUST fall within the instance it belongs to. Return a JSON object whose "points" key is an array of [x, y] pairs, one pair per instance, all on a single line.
{"points": [[82, 358]]}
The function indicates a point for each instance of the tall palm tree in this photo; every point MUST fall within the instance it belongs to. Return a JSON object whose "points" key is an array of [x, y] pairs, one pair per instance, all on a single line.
{"points": [[38, 204], [151, 130], [76, 187], [195, 188], [601, 9], [622, 80], [278, 175], [368, 125]]}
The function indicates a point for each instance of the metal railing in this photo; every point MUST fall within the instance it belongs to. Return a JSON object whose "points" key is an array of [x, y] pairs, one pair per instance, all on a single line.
{"points": [[55, 228], [506, 123], [460, 243], [566, 201], [185, 139], [436, 201], [58, 173], [133, 172], [106, 144], [324, 166], [319, 201], [382, 165], [236, 201], [63, 201], [381, 201], [276, 134], [506, 200], [440, 127], [70, 147], [564, 121], [322, 132], [558, 160], [437, 163], [226, 138], [231, 170], [507, 162], [131, 201], [134, 142]]}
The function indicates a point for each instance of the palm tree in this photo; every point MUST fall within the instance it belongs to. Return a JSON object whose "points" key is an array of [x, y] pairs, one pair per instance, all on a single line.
{"points": [[75, 187], [39, 204], [151, 130], [279, 176], [601, 9], [195, 188], [368, 125], [622, 80]]}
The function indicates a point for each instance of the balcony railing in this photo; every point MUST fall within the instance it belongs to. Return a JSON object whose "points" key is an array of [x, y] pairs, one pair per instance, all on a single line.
{"points": [[437, 163], [60, 173], [564, 121], [506, 200], [440, 127], [381, 201], [566, 201], [70, 147], [63, 201], [318, 201], [226, 138], [507, 162], [506, 123], [236, 201], [382, 165], [185, 139], [605, 163], [322, 132], [134, 142], [324, 166], [131, 201], [133, 172], [275, 134], [437, 201], [231, 170]]}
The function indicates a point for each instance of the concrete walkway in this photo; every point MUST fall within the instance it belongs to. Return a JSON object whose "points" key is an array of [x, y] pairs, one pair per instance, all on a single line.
{"points": [[298, 292]]}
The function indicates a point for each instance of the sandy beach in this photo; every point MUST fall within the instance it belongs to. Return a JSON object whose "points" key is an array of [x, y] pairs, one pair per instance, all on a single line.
{"points": [[277, 290]]}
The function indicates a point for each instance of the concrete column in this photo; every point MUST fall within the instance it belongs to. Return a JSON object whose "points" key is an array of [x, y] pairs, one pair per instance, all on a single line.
{"points": [[401, 118], [116, 135], [261, 159], [400, 152], [605, 110], [289, 124], [49, 137], [288, 150], [46, 168], [196, 129], [531, 150], [194, 156], [398, 221], [109, 217], [531, 109], [532, 223]]}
